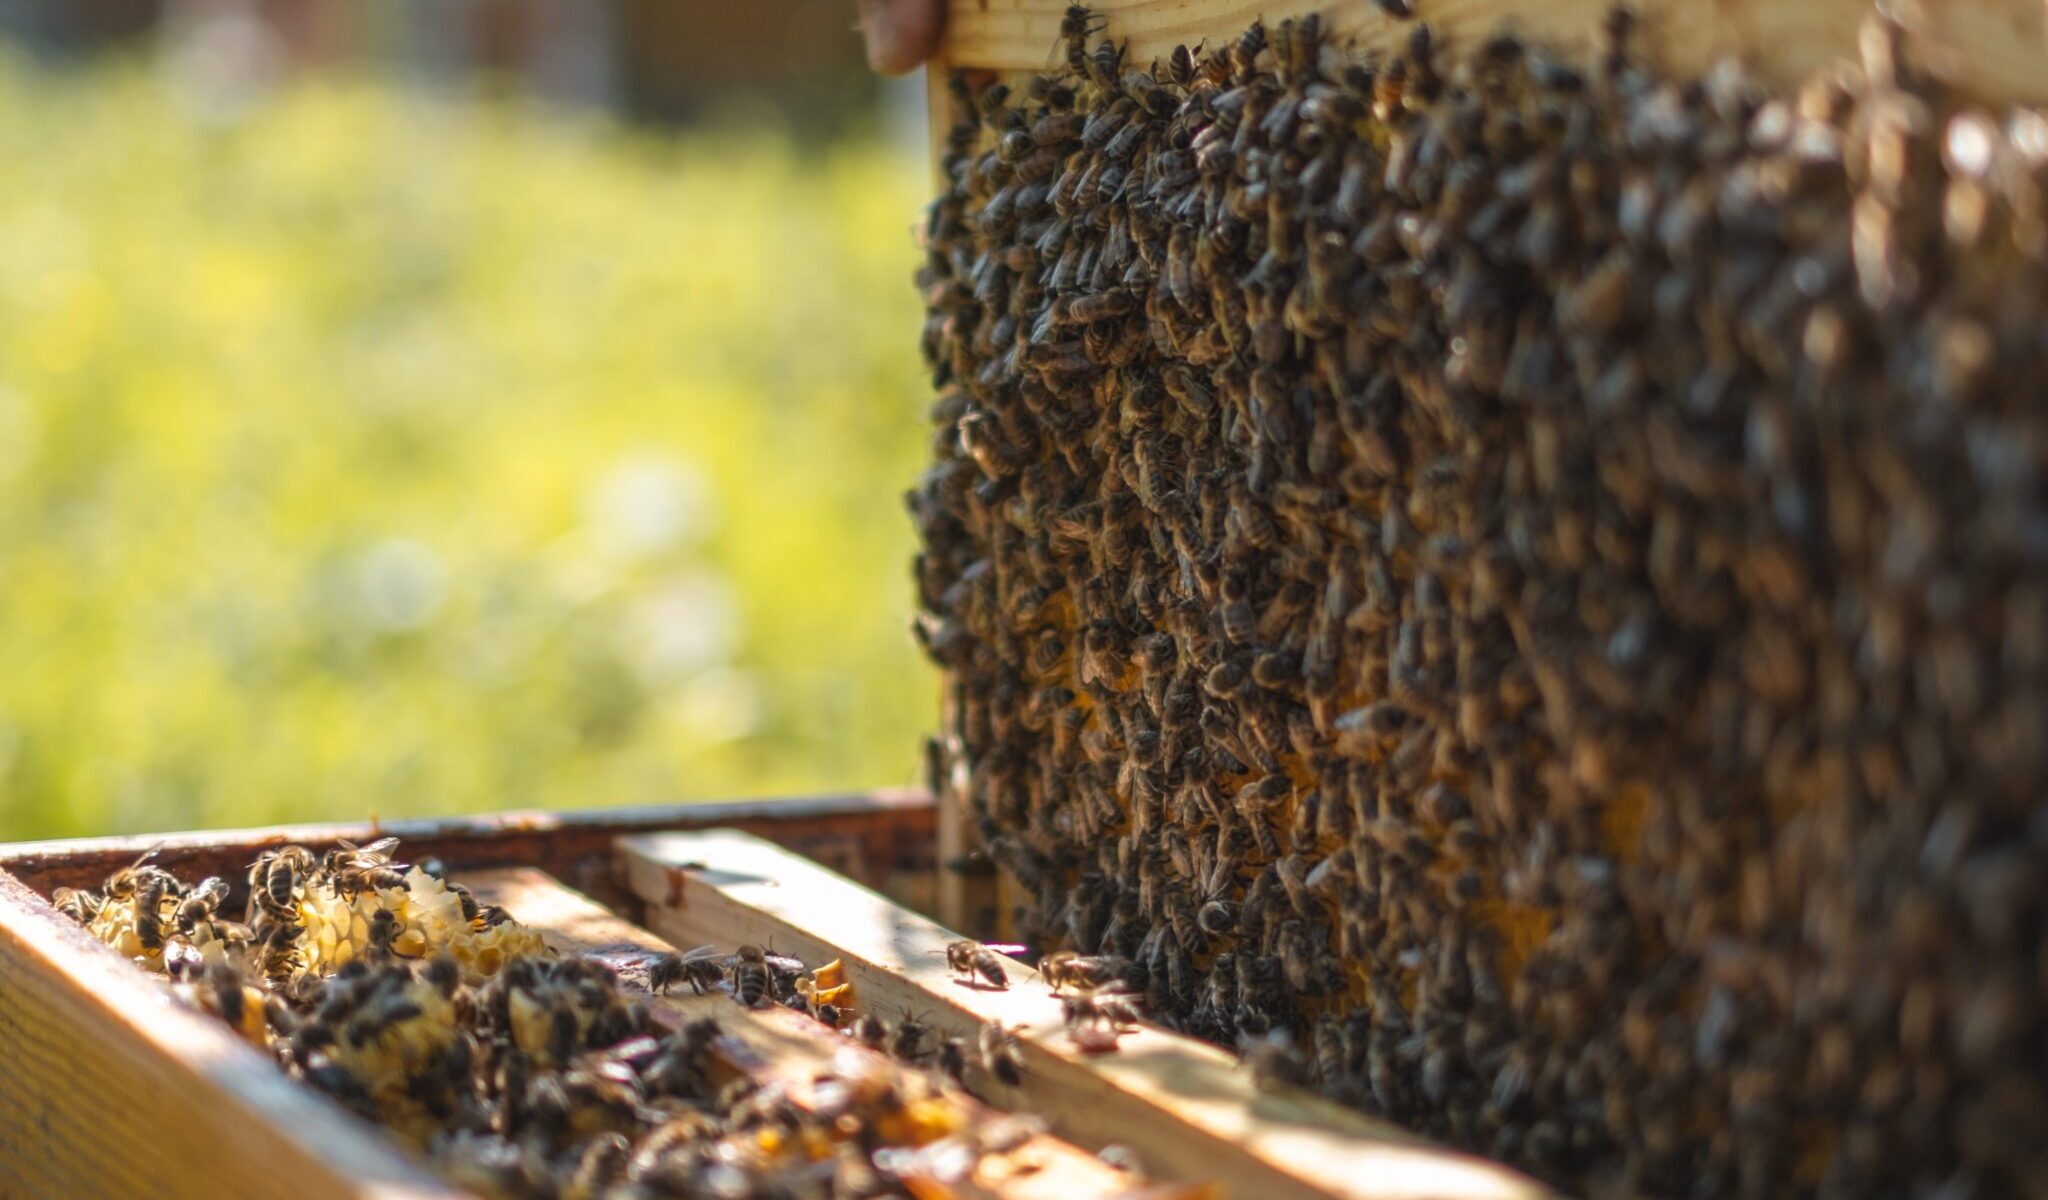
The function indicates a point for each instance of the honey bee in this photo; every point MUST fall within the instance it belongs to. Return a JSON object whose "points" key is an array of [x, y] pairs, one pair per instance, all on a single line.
{"points": [[977, 961], [870, 1031], [952, 1058], [383, 932], [1076, 25], [275, 877], [357, 869], [151, 892], [378, 1019], [1244, 53], [1274, 1060], [80, 905], [700, 968], [1000, 1056], [1067, 969], [1301, 42], [121, 885], [472, 912], [906, 1040], [221, 994], [599, 1165], [1096, 1021], [1104, 66], [1239, 623], [201, 904], [750, 976]]}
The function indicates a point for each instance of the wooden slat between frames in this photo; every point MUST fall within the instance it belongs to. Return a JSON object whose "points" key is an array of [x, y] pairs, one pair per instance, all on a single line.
{"points": [[768, 1043], [1187, 1109]]}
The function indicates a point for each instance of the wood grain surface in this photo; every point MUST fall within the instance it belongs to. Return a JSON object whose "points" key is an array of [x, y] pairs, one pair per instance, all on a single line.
{"points": [[882, 837]]}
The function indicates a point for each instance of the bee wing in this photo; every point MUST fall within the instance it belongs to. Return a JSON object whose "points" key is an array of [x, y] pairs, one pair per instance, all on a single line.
{"points": [[380, 848], [1006, 947], [145, 856], [785, 964], [699, 954]]}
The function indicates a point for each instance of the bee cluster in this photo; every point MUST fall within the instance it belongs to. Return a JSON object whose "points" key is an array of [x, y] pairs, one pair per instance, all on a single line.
{"points": [[521, 1074], [1529, 579]]}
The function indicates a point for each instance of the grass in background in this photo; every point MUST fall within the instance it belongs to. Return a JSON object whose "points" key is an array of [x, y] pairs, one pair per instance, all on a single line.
{"points": [[373, 453]]}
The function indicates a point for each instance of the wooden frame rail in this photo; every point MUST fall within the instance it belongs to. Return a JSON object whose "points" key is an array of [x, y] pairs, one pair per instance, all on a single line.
{"points": [[109, 1087], [770, 1043], [1188, 1109], [2001, 45]]}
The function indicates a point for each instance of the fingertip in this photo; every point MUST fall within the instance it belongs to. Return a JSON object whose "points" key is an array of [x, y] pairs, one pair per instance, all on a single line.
{"points": [[900, 33]]}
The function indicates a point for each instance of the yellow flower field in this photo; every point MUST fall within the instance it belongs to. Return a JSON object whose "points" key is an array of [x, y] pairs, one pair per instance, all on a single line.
{"points": [[380, 454]]}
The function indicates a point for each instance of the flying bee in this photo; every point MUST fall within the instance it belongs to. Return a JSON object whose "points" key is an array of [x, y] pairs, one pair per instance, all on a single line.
{"points": [[751, 978], [700, 968], [1104, 1007], [980, 962], [1274, 1060], [1095, 1021]]}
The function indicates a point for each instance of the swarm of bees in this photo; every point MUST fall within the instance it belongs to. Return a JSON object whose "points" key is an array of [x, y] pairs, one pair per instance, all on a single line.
{"points": [[305, 917], [1528, 577], [522, 1074]]}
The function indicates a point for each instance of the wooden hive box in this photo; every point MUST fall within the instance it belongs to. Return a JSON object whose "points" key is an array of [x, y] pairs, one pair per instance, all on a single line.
{"points": [[109, 1087]]}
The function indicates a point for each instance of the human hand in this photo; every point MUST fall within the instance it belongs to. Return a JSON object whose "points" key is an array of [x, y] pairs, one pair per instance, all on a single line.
{"points": [[900, 33]]}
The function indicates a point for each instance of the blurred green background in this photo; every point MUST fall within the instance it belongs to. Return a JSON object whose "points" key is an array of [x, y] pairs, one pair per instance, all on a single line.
{"points": [[371, 448]]}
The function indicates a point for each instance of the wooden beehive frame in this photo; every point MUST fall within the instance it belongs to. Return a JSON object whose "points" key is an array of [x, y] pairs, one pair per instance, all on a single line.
{"points": [[1995, 50], [1999, 47], [95, 1055]]}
